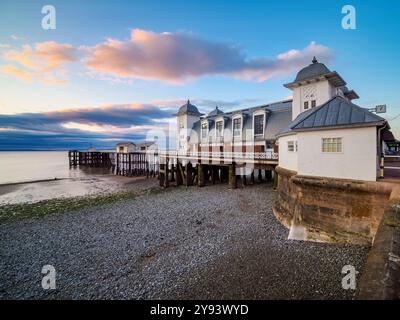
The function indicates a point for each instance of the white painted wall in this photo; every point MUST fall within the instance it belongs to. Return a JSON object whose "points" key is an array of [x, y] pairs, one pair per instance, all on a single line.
{"points": [[125, 148], [322, 90], [184, 133], [287, 160], [357, 161]]}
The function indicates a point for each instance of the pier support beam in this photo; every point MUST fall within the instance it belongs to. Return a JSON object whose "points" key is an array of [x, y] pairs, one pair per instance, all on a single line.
{"points": [[179, 173], [268, 175], [259, 177], [172, 178], [232, 180], [200, 175], [189, 174], [275, 180]]}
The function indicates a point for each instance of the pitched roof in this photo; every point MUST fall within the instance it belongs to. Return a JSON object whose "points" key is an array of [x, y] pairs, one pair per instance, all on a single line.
{"points": [[125, 143], [336, 112]]}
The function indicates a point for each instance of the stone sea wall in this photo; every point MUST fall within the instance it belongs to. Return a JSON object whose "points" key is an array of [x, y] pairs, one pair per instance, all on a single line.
{"points": [[329, 209]]}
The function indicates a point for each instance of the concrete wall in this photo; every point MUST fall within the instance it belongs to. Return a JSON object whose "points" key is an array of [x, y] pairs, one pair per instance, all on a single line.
{"points": [[334, 210], [287, 160], [357, 161]]}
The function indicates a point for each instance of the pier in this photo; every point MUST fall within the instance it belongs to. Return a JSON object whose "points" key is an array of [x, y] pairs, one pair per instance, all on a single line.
{"points": [[192, 168]]}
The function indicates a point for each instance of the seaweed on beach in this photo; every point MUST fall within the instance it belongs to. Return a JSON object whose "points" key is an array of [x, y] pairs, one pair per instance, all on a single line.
{"points": [[59, 205]]}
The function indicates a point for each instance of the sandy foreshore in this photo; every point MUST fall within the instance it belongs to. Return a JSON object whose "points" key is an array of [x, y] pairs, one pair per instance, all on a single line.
{"points": [[179, 243], [87, 185]]}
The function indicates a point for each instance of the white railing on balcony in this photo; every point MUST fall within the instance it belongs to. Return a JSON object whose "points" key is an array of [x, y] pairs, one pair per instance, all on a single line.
{"points": [[268, 155]]}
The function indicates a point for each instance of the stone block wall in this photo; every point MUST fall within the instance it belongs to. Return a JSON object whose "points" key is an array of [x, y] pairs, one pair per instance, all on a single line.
{"points": [[328, 209]]}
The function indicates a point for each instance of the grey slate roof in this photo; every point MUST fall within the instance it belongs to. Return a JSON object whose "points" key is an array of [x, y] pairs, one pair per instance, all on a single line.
{"points": [[188, 108], [125, 143], [315, 69], [336, 112], [215, 112], [278, 116]]}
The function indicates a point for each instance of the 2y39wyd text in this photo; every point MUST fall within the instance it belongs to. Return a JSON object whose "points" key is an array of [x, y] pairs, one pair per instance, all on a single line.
{"points": [[199, 309]]}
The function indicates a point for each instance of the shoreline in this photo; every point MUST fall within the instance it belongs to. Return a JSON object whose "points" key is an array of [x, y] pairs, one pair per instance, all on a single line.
{"points": [[8, 184], [87, 185]]}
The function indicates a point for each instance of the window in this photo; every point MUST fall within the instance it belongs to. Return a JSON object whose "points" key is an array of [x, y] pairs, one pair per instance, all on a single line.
{"points": [[237, 127], [305, 105], [259, 124], [219, 125], [313, 103], [290, 146], [331, 144], [204, 131], [181, 126]]}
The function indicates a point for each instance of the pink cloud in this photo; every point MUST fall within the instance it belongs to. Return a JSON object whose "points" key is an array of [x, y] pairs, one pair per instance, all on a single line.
{"points": [[45, 61], [169, 57], [177, 57]]}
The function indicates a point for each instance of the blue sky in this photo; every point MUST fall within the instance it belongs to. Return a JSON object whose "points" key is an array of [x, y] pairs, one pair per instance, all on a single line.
{"points": [[238, 41]]}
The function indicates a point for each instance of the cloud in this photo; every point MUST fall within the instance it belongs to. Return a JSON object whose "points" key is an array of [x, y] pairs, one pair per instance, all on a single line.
{"points": [[101, 126], [45, 61], [16, 38], [4, 46], [168, 57], [17, 72], [178, 57]]}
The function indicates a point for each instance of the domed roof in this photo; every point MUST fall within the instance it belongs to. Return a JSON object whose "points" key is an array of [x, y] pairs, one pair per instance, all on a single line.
{"points": [[215, 112], [313, 70], [188, 108]]}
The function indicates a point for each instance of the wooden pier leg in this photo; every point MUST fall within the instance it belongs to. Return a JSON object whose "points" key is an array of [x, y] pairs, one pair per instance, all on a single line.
{"points": [[173, 171], [161, 174], [200, 175], [259, 178], [252, 177], [189, 174], [268, 175], [275, 180], [214, 172], [244, 179], [130, 164], [232, 180], [179, 177], [117, 165], [166, 172]]}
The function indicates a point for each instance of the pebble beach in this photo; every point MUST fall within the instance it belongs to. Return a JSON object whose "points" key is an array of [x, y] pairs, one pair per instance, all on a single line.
{"points": [[179, 243]]}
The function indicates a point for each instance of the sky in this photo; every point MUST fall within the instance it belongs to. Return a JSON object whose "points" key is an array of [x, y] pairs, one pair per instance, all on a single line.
{"points": [[117, 70]]}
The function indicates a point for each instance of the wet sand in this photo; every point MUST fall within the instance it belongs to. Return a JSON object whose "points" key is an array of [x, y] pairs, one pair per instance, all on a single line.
{"points": [[90, 183]]}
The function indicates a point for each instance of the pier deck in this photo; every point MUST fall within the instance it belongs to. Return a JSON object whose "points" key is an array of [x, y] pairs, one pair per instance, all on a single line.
{"points": [[193, 168]]}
